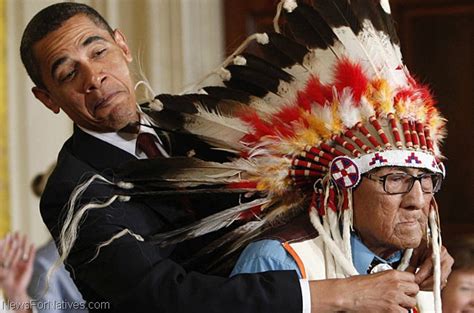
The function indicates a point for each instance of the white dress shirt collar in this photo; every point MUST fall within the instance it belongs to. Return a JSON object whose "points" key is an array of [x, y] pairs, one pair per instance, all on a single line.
{"points": [[128, 141]]}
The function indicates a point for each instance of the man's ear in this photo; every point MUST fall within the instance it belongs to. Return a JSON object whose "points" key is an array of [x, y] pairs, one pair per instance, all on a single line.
{"points": [[121, 41], [43, 96]]}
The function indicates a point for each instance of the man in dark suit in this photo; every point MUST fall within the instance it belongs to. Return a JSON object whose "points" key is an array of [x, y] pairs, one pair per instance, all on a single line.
{"points": [[80, 65]]}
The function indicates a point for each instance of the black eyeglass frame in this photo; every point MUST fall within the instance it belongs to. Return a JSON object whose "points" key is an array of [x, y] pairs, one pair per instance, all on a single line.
{"points": [[383, 180]]}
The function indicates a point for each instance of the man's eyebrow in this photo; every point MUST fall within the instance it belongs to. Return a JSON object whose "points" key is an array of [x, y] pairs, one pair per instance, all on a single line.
{"points": [[91, 39]]}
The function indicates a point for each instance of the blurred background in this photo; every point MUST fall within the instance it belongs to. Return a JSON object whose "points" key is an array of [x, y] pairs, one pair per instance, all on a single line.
{"points": [[176, 42]]}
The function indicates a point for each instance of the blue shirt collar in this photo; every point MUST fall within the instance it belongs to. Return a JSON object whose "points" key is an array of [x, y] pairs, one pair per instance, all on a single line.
{"points": [[363, 257]]}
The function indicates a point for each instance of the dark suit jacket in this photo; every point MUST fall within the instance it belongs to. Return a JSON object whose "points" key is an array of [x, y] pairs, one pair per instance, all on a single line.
{"points": [[137, 276]]}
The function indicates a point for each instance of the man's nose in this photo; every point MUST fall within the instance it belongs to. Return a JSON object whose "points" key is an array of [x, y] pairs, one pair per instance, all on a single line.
{"points": [[93, 77], [415, 198]]}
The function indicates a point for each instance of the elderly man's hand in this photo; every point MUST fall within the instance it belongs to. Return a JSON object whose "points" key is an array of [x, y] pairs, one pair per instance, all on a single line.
{"points": [[389, 291], [422, 260]]}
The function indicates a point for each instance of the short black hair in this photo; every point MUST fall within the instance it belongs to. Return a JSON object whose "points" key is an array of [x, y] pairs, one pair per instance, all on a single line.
{"points": [[46, 21]]}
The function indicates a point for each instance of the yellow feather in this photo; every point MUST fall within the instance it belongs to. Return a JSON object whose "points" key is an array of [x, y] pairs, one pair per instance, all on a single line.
{"points": [[336, 125]]}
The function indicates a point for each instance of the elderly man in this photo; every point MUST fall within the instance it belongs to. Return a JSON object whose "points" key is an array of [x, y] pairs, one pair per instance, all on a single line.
{"points": [[80, 65]]}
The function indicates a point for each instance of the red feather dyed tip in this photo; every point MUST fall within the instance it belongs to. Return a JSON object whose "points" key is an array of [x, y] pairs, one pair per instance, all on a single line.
{"points": [[250, 213], [288, 114], [261, 128], [404, 94], [427, 96], [317, 92], [351, 75], [243, 185], [283, 119], [303, 101]]}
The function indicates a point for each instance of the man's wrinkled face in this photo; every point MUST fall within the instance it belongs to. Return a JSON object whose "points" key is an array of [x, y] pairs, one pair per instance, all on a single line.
{"points": [[388, 223], [85, 72]]}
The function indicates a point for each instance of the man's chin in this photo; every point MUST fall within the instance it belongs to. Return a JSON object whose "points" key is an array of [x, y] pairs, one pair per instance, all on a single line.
{"points": [[410, 239], [410, 242]]}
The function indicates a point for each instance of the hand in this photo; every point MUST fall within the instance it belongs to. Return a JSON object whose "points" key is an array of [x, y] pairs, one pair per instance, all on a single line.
{"points": [[388, 291], [422, 260], [16, 267]]}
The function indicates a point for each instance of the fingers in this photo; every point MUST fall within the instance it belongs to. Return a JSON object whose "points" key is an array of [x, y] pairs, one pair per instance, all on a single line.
{"points": [[424, 276], [31, 255], [401, 288], [424, 272], [447, 262], [10, 247], [14, 249], [3, 250], [410, 288], [19, 242], [407, 301]]}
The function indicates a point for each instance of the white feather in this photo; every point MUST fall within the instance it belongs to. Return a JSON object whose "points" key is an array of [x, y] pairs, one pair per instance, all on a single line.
{"points": [[366, 109], [216, 128], [385, 6], [324, 113], [349, 113], [355, 50], [209, 224]]}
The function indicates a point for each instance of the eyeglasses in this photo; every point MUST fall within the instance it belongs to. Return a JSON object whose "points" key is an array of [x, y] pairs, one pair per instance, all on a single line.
{"points": [[398, 183]]}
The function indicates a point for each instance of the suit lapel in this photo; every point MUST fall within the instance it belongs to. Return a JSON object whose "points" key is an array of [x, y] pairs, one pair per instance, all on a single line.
{"points": [[97, 153]]}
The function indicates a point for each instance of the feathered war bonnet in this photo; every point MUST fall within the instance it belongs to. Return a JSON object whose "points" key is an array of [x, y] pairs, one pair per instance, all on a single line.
{"points": [[329, 100]]}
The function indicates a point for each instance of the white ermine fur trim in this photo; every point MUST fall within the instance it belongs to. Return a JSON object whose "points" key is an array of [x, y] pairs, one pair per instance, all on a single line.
{"points": [[69, 231], [125, 185], [224, 74], [156, 105], [347, 266], [124, 198], [405, 260], [334, 227], [115, 237], [262, 38], [330, 261], [240, 60], [347, 226], [76, 193], [436, 245], [290, 5]]}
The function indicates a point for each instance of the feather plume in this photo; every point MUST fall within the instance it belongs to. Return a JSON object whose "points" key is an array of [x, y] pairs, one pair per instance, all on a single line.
{"points": [[208, 224], [339, 15], [283, 51], [351, 75], [180, 171], [348, 110]]}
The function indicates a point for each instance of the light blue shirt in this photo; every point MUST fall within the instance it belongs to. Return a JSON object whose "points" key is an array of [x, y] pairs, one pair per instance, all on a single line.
{"points": [[269, 255], [59, 294]]}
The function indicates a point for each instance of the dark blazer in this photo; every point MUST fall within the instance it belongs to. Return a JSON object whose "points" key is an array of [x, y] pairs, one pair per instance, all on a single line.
{"points": [[136, 276]]}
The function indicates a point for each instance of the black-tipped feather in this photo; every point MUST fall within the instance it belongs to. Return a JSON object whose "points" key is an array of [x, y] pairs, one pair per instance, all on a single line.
{"points": [[373, 11], [283, 51], [224, 93], [303, 31], [163, 169], [266, 67], [168, 120], [252, 81], [261, 79], [338, 13], [318, 24], [178, 103]]}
